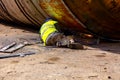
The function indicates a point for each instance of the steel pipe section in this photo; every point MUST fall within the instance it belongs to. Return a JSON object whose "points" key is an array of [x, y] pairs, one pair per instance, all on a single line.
{"points": [[101, 17]]}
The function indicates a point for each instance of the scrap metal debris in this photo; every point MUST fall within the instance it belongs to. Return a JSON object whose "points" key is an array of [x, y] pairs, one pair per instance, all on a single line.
{"points": [[7, 47], [16, 55], [20, 45], [13, 47]]}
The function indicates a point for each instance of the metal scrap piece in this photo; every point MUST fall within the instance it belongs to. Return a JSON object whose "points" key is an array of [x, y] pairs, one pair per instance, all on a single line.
{"points": [[16, 47], [16, 55], [7, 47]]}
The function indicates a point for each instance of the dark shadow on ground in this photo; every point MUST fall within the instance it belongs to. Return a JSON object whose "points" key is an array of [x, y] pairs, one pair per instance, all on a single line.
{"points": [[27, 27], [113, 47]]}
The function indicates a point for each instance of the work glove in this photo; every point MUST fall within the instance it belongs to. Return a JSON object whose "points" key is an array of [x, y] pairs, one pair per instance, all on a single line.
{"points": [[69, 43]]}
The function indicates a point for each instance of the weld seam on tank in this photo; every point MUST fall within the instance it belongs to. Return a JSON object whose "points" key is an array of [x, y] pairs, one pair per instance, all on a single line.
{"points": [[40, 10], [37, 9], [33, 21], [1, 9], [22, 10], [9, 15], [42, 16], [27, 15], [3, 6], [70, 12]]}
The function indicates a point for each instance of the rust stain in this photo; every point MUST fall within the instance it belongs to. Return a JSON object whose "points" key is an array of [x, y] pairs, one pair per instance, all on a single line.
{"points": [[59, 10]]}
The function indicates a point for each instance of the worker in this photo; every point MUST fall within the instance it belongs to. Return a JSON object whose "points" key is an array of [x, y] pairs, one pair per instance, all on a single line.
{"points": [[51, 35]]}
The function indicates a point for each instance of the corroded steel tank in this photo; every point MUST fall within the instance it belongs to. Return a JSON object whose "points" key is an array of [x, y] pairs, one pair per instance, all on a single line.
{"points": [[101, 17]]}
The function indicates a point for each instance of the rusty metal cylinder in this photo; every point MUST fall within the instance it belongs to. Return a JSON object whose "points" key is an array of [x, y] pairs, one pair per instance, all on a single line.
{"points": [[101, 17]]}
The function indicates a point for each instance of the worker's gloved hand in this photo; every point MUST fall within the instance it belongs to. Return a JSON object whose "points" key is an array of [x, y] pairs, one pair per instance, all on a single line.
{"points": [[63, 43], [69, 42]]}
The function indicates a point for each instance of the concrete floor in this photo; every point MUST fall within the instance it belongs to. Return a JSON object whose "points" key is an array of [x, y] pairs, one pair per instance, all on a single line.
{"points": [[100, 62]]}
